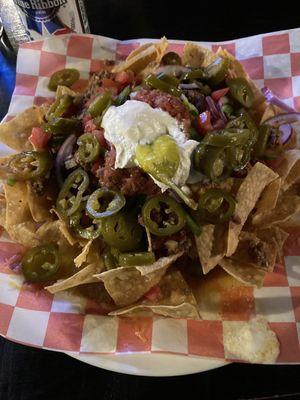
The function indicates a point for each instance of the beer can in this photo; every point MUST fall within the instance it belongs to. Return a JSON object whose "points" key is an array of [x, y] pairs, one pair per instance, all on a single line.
{"points": [[52, 17]]}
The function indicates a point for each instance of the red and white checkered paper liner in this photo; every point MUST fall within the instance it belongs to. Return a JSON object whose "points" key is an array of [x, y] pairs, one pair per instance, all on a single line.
{"points": [[63, 322]]}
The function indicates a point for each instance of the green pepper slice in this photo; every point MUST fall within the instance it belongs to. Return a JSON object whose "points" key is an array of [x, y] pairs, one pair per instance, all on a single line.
{"points": [[190, 107], [89, 148], [193, 225], [262, 140], [171, 58], [169, 79], [122, 231], [109, 260], [104, 202], [123, 96], [214, 164], [216, 72], [241, 91], [59, 107], [133, 259], [216, 206], [163, 216], [194, 74], [156, 83], [99, 104], [30, 165], [71, 193], [62, 126], [64, 77], [238, 157], [227, 138], [40, 263], [83, 226]]}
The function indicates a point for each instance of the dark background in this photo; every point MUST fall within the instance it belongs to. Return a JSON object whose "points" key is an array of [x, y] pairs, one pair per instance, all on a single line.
{"points": [[31, 374]]}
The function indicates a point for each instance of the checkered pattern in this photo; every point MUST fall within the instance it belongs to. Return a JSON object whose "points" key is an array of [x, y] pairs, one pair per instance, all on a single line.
{"points": [[65, 322]]}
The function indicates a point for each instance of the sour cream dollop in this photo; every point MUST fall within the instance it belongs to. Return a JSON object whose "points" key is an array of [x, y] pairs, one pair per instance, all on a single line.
{"points": [[136, 122]]}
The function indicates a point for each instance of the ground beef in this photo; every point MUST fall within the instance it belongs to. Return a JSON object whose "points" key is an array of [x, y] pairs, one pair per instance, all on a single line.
{"points": [[161, 247], [130, 181], [158, 99], [257, 252], [95, 82]]}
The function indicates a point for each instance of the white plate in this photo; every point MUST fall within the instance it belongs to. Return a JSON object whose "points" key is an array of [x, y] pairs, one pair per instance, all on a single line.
{"points": [[151, 364]]}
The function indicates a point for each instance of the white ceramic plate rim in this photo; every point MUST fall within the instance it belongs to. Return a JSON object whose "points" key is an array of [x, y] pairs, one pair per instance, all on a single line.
{"points": [[158, 365]]}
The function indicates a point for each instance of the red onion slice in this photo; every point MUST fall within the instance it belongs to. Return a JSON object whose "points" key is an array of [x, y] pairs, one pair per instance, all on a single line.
{"points": [[212, 107], [64, 152], [286, 132], [271, 98]]}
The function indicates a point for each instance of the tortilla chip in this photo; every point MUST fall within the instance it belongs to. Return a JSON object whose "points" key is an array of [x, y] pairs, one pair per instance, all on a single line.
{"points": [[66, 232], [85, 275], [267, 201], [143, 56], [211, 246], [266, 250], [286, 208], [245, 273], [81, 258], [248, 194], [175, 299], [61, 90], [18, 221], [126, 285], [270, 111], [149, 240], [289, 169], [196, 56], [39, 206], [15, 132], [2, 210]]}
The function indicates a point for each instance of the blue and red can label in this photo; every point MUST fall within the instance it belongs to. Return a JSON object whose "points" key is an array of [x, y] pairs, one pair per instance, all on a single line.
{"points": [[52, 17]]}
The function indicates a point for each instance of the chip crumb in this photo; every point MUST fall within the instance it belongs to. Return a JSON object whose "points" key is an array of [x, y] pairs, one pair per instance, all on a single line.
{"points": [[251, 341]]}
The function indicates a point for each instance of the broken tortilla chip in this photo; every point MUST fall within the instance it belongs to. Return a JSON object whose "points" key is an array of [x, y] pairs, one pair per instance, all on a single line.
{"points": [[245, 273], [248, 194], [18, 221], [196, 56], [286, 208], [39, 205], [126, 285], [267, 201], [15, 132], [144, 56], [211, 246], [81, 258], [174, 299], [289, 169], [85, 275]]}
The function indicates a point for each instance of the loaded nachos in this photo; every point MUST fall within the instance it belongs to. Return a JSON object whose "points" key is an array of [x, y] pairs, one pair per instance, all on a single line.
{"points": [[161, 169]]}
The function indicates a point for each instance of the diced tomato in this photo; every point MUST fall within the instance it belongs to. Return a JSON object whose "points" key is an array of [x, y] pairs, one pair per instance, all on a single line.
{"points": [[153, 294], [217, 94], [99, 134], [39, 138], [124, 77], [90, 126], [204, 123]]}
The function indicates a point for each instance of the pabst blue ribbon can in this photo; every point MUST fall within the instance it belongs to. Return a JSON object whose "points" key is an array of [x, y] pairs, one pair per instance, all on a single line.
{"points": [[52, 17]]}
